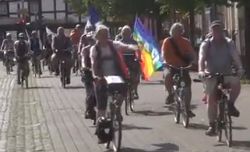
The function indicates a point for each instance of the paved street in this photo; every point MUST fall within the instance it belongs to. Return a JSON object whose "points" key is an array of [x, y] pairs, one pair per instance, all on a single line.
{"points": [[48, 118]]}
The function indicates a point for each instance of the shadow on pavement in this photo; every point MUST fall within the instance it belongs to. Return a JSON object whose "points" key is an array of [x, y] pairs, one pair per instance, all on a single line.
{"points": [[171, 107], [241, 144], [39, 87], [131, 127], [152, 113], [239, 128], [74, 87], [167, 147], [196, 126]]}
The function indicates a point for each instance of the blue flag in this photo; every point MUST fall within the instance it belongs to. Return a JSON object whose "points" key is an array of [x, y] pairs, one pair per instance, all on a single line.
{"points": [[94, 16]]}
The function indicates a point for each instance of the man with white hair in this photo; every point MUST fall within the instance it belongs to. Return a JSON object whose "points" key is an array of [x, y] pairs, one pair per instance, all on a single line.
{"points": [[178, 52], [131, 59], [62, 48]]}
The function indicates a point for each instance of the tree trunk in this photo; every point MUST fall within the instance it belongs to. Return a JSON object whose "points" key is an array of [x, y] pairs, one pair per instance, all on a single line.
{"points": [[192, 26]]}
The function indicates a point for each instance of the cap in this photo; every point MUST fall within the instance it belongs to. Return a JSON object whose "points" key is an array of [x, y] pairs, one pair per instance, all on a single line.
{"points": [[216, 23]]}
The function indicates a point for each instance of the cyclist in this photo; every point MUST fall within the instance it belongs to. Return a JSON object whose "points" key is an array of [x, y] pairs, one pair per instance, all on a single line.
{"points": [[75, 36], [217, 55], [178, 52], [36, 50], [48, 50], [8, 47], [88, 77], [131, 59], [106, 60], [62, 47], [21, 51]]}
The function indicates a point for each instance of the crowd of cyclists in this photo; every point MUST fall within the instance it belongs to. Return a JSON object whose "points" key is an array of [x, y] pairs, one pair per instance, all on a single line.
{"points": [[96, 55]]}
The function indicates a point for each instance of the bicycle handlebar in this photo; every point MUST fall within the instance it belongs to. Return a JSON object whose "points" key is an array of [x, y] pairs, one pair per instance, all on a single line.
{"points": [[179, 68], [209, 76]]}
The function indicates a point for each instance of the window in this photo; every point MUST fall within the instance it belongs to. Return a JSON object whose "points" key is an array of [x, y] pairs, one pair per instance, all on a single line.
{"points": [[34, 7], [3, 8]]}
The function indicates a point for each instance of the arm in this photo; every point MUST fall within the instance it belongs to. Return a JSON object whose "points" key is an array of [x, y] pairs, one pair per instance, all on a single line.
{"points": [[53, 44], [122, 46], [93, 55], [3, 45], [202, 56], [164, 48], [235, 56]]}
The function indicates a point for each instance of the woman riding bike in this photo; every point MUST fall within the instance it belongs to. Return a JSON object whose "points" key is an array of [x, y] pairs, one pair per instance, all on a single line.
{"points": [[106, 60]]}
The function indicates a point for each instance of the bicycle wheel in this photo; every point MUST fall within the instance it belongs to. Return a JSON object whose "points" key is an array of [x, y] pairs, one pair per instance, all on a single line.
{"points": [[131, 101], [220, 121], [177, 111], [184, 110], [228, 128], [116, 131], [63, 79], [185, 118], [26, 82], [127, 101], [7, 64]]}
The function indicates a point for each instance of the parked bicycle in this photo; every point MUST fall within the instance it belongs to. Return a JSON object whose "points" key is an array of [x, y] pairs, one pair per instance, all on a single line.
{"points": [[180, 91], [224, 120]]}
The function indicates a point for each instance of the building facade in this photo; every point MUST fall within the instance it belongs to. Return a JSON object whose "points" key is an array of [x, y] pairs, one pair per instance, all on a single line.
{"points": [[52, 13]]}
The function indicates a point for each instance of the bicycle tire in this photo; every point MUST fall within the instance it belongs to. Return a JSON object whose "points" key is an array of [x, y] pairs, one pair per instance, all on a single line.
{"points": [[127, 100], [228, 129], [116, 133], [63, 79], [177, 112], [131, 102], [220, 123], [26, 82]]}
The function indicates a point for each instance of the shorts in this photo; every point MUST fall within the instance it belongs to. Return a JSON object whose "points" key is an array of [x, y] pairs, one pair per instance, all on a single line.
{"points": [[211, 84]]}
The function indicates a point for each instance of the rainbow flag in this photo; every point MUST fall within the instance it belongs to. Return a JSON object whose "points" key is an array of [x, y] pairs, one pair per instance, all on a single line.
{"points": [[150, 56]]}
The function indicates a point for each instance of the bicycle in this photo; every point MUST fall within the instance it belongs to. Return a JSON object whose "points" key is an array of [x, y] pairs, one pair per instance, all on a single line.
{"points": [[224, 120], [179, 91], [129, 101], [115, 93], [36, 66], [63, 77], [24, 71], [9, 62]]}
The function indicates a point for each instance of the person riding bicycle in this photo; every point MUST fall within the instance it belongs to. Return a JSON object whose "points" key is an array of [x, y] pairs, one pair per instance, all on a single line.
{"points": [[87, 76], [62, 48], [178, 52], [217, 55], [8, 47], [36, 50], [21, 54], [105, 61], [131, 59], [75, 36]]}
